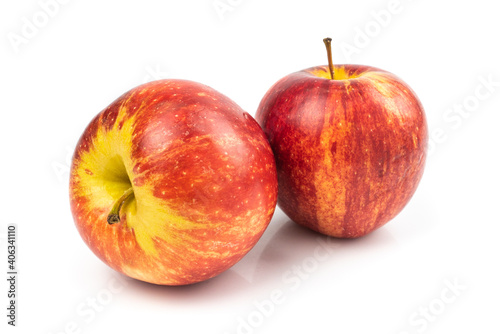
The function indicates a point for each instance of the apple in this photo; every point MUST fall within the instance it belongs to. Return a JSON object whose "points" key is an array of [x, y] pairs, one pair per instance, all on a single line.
{"points": [[350, 144], [172, 183]]}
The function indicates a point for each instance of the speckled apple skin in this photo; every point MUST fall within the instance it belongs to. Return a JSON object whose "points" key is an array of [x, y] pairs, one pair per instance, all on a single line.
{"points": [[203, 176], [350, 153]]}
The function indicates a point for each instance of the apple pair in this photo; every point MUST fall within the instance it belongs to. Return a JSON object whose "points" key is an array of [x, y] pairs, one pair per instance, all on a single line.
{"points": [[173, 183]]}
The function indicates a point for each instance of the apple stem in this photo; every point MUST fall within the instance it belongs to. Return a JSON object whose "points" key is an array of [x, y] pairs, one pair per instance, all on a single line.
{"points": [[114, 215], [328, 44]]}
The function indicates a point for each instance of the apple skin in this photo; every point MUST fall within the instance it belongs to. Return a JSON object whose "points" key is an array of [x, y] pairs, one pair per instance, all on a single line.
{"points": [[203, 177], [350, 152]]}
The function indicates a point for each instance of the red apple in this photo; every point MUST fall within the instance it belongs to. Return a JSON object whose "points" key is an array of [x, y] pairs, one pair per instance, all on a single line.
{"points": [[173, 183], [350, 144]]}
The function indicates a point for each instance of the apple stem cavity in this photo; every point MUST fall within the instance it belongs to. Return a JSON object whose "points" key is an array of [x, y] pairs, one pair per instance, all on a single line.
{"points": [[328, 44], [114, 215]]}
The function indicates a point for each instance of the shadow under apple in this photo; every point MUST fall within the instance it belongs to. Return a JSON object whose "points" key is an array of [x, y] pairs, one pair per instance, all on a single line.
{"points": [[290, 248], [296, 248]]}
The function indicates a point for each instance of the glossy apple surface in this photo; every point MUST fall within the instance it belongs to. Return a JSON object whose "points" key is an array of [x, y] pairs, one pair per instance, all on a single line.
{"points": [[198, 175], [350, 152]]}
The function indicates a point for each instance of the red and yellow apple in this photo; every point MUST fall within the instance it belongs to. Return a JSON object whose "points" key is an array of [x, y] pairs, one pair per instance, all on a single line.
{"points": [[173, 183], [350, 144]]}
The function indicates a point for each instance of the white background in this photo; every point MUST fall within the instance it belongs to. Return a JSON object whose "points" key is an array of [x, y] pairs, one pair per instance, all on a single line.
{"points": [[54, 79]]}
